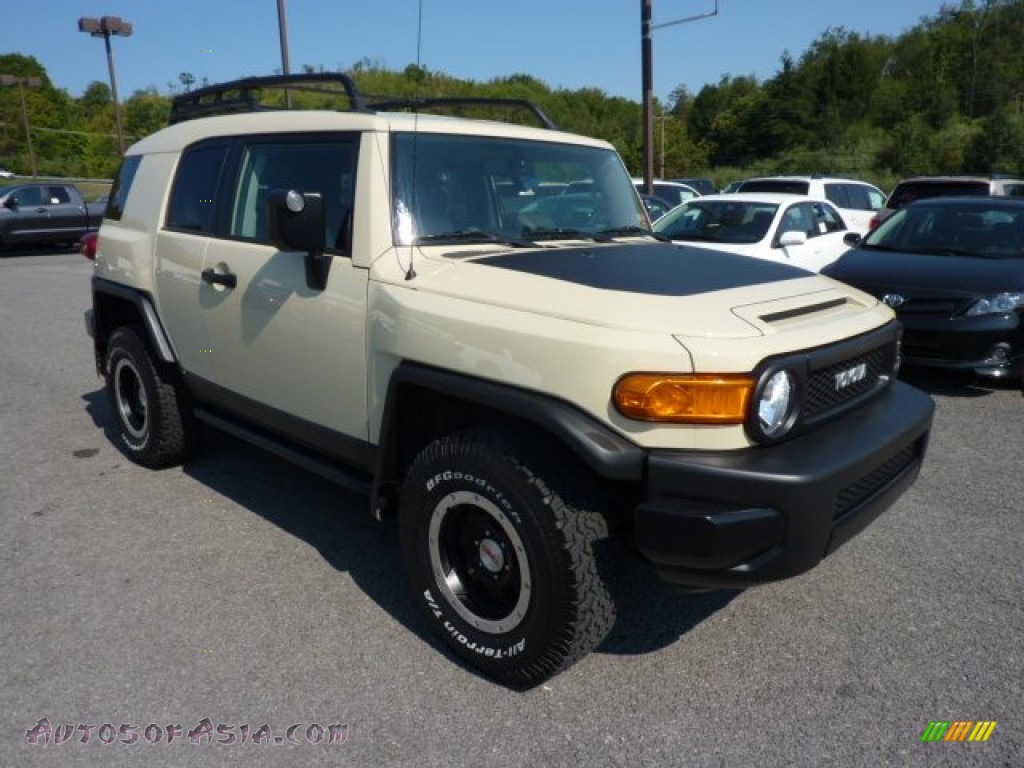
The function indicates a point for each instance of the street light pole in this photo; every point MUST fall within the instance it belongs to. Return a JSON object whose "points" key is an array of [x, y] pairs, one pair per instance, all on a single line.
{"points": [[105, 27], [647, 76], [282, 28], [21, 82]]}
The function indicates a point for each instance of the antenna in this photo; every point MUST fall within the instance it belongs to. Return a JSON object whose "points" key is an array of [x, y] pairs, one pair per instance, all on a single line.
{"points": [[411, 272]]}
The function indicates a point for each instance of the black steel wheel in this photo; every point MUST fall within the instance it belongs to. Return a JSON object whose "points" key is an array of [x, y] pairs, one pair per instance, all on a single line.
{"points": [[153, 424], [501, 558]]}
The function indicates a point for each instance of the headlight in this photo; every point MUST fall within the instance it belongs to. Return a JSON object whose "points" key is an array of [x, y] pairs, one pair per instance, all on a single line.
{"points": [[695, 399], [775, 404], [999, 304]]}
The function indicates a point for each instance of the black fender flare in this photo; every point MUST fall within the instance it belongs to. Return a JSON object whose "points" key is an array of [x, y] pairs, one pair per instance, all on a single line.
{"points": [[609, 454], [143, 303]]}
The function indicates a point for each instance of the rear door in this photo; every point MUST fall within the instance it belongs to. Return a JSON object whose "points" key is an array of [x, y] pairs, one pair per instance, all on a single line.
{"points": [[66, 218]]}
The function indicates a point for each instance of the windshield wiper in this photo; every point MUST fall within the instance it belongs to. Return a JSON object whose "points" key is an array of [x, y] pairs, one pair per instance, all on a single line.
{"points": [[474, 235], [560, 233], [633, 231]]}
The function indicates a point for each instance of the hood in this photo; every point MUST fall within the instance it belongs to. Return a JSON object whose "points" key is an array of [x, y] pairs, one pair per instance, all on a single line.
{"points": [[879, 272], [642, 286]]}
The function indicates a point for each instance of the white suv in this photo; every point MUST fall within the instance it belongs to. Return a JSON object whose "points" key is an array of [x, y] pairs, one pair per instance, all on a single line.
{"points": [[386, 299], [857, 201]]}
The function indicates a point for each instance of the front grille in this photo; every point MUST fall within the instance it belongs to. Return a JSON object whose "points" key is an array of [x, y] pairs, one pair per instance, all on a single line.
{"points": [[824, 392], [857, 493], [942, 307]]}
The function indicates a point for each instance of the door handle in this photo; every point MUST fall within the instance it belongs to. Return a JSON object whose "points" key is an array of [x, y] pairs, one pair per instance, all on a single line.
{"points": [[227, 279]]}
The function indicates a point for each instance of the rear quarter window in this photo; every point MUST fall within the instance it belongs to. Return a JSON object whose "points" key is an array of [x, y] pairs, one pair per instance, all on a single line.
{"points": [[121, 187]]}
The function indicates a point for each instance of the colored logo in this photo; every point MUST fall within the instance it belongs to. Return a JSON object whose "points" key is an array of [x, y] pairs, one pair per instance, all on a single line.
{"points": [[958, 730]]}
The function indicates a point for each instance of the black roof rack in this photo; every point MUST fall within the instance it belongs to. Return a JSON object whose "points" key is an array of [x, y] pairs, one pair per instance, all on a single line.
{"points": [[243, 95], [238, 96], [426, 102]]}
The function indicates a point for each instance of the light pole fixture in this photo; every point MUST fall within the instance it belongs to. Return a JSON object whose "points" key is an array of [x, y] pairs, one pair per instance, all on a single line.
{"points": [[104, 27], [647, 75], [21, 82]]}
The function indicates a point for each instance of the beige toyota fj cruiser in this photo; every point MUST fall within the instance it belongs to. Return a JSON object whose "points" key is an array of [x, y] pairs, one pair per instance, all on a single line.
{"points": [[424, 307]]}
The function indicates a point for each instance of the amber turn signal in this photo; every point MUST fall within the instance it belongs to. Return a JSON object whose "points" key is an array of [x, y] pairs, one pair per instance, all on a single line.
{"points": [[696, 399]]}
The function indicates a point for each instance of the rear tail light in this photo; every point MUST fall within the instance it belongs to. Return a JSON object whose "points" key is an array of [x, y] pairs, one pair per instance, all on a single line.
{"points": [[87, 245]]}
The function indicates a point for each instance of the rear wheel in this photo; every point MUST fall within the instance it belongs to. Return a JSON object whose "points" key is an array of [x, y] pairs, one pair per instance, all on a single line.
{"points": [[501, 556], [149, 406]]}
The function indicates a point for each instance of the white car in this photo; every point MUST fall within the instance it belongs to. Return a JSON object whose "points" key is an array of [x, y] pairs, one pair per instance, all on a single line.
{"points": [[5, 174], [798, 230], [857, 201]]}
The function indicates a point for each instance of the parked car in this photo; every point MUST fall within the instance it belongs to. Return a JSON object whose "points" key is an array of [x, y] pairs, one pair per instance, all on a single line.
{"points": [[952, 268], [920, 187], [857, 201], [656, 207], [732, 186], [5, 174], [793, 229], [704, 186], [45, 213], [670, 191]]}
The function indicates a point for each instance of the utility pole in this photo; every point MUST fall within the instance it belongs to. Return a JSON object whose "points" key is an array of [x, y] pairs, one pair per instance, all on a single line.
{"points": [[647, 78], [21, 82]]}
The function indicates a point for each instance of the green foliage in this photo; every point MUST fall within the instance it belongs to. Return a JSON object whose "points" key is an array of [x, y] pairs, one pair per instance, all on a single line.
{"points": [[946, 96]]}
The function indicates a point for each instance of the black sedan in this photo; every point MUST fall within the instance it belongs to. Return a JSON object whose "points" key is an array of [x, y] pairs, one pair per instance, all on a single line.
{"points": [[953, 271]]}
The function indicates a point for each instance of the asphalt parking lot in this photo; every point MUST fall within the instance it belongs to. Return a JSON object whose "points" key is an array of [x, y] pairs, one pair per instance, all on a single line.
{"points": [[245, 591]]}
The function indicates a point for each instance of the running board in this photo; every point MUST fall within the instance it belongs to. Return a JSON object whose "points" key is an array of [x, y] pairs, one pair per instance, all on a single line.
{"points": [[333, 472]]}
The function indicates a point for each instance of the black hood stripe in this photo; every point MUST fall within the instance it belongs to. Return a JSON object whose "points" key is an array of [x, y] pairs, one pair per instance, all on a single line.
{"points": [[659, 269]]}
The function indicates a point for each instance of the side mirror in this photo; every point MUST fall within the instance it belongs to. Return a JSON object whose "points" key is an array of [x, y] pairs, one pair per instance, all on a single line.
{"points": [[297, 224], [792, 237], [11, 203], [852, 239]]}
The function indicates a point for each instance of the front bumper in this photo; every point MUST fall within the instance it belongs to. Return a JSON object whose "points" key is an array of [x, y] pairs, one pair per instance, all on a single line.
{"points": [[740, 518], [991, 345]]}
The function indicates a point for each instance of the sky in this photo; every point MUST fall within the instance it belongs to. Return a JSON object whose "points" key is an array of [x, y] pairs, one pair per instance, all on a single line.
{"points": [[565, 43]]}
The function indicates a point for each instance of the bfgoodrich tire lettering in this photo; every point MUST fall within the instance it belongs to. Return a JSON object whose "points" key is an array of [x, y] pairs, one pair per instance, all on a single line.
{"points": [[501, 556], [153, 426]]}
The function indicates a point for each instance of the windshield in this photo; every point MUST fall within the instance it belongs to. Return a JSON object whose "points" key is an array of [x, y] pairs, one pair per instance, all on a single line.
{"points": [[982, 231], [718, 221], [484, 189]]}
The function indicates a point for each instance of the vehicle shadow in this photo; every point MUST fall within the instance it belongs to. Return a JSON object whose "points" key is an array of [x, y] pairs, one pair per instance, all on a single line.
{"points": [[338, 524], [955, 383]]}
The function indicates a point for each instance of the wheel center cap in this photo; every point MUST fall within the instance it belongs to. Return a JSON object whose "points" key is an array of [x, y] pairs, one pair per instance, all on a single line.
{"points": [[491, 556]]}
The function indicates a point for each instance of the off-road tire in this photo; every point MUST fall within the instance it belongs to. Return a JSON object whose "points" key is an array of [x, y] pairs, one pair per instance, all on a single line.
{"points": [[498, 536], [154, 428]]}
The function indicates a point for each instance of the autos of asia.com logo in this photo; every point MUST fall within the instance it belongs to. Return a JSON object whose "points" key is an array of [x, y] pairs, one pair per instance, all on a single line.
{"points": [[204, 732]]}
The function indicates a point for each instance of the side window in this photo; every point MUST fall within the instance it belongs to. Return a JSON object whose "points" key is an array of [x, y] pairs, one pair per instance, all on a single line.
{"points": [[195, 185], [121, 186], [827, 219], [29, 196], [799, 218], [1014, 190], [308, 164], [857, 196], [58, 195], [838, 196], [876, 199]]}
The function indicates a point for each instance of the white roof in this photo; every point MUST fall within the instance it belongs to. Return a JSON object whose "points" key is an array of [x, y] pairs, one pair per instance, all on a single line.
{"points": [[176, 137]]}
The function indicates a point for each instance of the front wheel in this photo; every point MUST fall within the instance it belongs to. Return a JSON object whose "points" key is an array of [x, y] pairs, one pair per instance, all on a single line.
{"points": [[501, 558]]}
